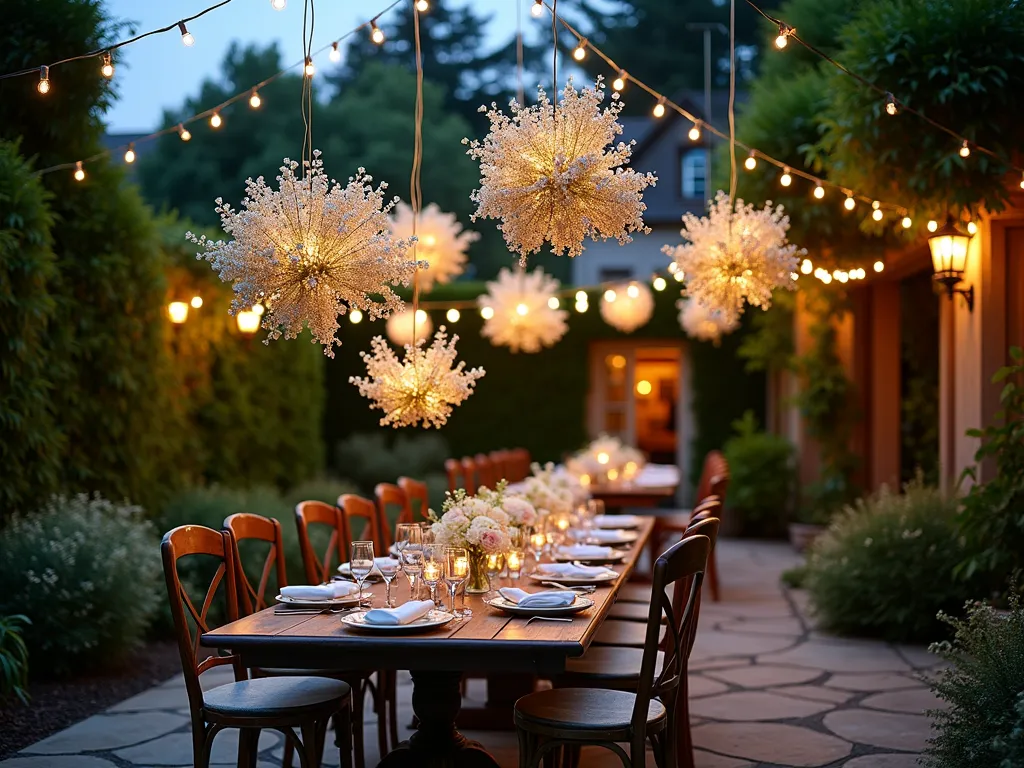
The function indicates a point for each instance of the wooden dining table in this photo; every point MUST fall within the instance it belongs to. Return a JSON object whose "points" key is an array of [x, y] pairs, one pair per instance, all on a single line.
{"points": [[489, 641]]}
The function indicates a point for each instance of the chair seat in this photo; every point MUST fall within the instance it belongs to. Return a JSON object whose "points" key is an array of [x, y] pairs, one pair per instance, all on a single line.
{"points": [[275, 696], [627, 611], [338, 674], [606, 665], [628, 633], [584, 710]]}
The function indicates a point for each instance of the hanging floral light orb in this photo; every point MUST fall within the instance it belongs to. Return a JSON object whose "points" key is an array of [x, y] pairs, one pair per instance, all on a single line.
{"points": [[400, 326], [553, 175], [627, 307], [703, 323], [309, 252], [522, 316], [733, 257], [441, 242], [420, 389]]}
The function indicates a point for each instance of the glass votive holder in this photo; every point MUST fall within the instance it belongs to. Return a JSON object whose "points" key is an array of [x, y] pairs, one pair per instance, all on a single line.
{"points": [[514, 561]]}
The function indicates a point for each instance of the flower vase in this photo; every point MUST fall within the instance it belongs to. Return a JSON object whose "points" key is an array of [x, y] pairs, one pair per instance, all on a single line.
{"points": [[477, 583]]}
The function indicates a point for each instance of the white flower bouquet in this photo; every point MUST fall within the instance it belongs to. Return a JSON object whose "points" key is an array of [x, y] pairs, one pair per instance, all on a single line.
{"points": [[606, 457], [478, 523]]}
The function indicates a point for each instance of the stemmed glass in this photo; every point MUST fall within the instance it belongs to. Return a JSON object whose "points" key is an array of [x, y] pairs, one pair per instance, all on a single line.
{"points": [[432, 570], [495, 563], [361, 563], [388, 570], [456, 571], [409, 540]]}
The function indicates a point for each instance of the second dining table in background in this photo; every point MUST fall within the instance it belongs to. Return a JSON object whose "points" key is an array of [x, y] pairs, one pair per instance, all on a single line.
{"points": [[488, 641]]}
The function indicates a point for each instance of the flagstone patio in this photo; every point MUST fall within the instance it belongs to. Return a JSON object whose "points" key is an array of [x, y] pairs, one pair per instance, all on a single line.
{"points": [[767, 691]]}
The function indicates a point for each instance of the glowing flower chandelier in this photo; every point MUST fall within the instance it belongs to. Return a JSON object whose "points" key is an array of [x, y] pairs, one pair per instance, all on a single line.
{"points": [[736, 256], [310, 251], [627, 307], [524, 312], [409, 326], [441, 242], [549, 174], [703, 323], [422, 387]]}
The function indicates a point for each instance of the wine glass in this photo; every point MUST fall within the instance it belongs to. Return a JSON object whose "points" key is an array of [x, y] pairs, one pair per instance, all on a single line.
{"points": [[495, 563], [456, 571], [388, 569], [433, 569], [595, 508], [361, 562], [409, 539]]}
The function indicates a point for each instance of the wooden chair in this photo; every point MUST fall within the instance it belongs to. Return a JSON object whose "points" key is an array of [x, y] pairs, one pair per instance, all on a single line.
{"points": [[453, 471], [390, 495], [299, 707], [244, 527], [502, 464], [519, 458], [317, 514], [486, 471], [566, 719], [418, 495]]}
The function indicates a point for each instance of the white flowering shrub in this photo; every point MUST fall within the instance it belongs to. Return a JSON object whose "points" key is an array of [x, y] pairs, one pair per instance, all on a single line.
{"points": [[885, 566], [87, 573]]}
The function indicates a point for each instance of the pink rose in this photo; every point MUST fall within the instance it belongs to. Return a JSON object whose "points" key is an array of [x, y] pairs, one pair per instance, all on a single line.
{"points": [[490, 541]]}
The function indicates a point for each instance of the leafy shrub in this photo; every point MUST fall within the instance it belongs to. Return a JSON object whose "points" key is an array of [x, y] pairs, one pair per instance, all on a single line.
{"points": [[13, 658], [368, 459], [885, 566], [992, 519], [761, 477], [323, 489], [86, 572], [984, 686]]}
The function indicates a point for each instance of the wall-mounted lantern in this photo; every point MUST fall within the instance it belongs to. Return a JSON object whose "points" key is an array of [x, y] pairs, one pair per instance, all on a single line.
{"points": [[948, 245]]}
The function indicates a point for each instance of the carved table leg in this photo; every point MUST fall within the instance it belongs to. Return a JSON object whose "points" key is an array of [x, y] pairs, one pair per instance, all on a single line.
{"points": [[436, 700]]}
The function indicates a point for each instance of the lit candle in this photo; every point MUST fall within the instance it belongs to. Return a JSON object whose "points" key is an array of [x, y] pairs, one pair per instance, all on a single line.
{"points": [[613, 474], [538, 540], [563, 523], [584, 480], [431, 571], [492, 562], [461, 566], [515, 563]]}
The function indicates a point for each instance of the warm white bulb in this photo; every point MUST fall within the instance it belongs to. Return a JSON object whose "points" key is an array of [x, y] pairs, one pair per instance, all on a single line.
{"points": [[781, 42], [553, 303], [965, 150], [335, 54], [694, 133], [619, 82], [679, 276], [421, 316], [581, 306], [751, 162], [486, 313], [877, 214], [255, 100], [309, 69], [806, 266], [453, 315], [890, 105], [659, 109], [875, 205], [522, 310], [186, 37], [580, 53], [609, 295], [972, 228], [819, 191], [907, 222], [376, 35], [107, 68], [258, 309], [197, 302], [422, 6], [933, 225], [879, 266], [632, 291], [785, 180], [659, 283], [355, 316], [581, 296], [849, 203], [215, 121], [79, 171], [184, 132], [278, 5], [43, 86], [537, 9], [129, 156]]}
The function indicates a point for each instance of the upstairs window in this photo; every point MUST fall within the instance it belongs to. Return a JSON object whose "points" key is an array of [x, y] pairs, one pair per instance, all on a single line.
{"points": [[694, 164]]}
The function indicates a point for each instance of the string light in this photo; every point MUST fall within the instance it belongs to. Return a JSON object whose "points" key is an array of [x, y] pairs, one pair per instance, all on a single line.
{"points": [[581, 306], [186, 37], [679, 276], [890, 104], [453, 315], [633, 291], [422, 6], [609, 295], [580, 52], [197, 302], [537, 9], [785, 180], [619, 82], [375, 34], [255, 100], [309, 70], [522, 310], [933, 225], [972, 228], [877, 212], [486, 313], [257, 309], [806, 266], [79, 171], [751, 162], [907, 223], [183, 132], [43, 86], [335, 54], [107, 67], [355, 316], [129, 156], [278, 5], [965, 149], [659, 108], [215, 120], [694, 133], [849, 203], [784, 32], [581, 297], [1022, 181], [659, 283], [819, 191], [554, 303], [879, 266]]}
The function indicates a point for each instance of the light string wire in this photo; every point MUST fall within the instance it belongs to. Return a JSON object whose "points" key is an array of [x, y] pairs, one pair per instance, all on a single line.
{"points": [[704, 125], [520, 92], [789, 31], [308, 12], [244, 93], [114, 46], [415, 179]]}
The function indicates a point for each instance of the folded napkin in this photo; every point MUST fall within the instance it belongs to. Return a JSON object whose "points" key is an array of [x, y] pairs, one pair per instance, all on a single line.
{"points": [[560, 570], [403, 614], [615, 521], [524, 599], [320, 591], [603, 535], [585, 550]]}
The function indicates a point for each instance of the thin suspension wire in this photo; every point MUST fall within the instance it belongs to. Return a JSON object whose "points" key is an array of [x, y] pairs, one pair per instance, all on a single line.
{"points": [[243, 94], [732, 104], [115, 46], [792, 33], [520, 93], [415, 188]]}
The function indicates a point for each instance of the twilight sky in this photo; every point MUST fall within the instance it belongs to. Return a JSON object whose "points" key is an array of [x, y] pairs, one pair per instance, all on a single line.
{"points": [[159, 71]]}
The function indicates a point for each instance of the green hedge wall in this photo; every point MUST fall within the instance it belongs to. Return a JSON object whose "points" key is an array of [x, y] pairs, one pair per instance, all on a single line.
{"points": [[538, 401]]}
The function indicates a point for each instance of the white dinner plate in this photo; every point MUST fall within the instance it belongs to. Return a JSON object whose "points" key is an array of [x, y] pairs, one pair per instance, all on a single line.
{"points": [[615, 557], [433, 618], [572, 581], [609, 538], [502, 604], [330, 602], [631, 522]]}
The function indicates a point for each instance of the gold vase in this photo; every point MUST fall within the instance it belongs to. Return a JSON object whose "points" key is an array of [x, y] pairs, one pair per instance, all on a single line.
{"points": [[477, 583]]}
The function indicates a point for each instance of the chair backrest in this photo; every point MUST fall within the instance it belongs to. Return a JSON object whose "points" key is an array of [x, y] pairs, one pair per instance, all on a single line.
{"points": [[310, 515], [520, 464], [470, 479], [714, 464], [186, 541], [246, 527], [453, 470], [486, 472], [709, 506], [499, 464], [681, 567], [361, 523], [390, 495], [418, 495]]}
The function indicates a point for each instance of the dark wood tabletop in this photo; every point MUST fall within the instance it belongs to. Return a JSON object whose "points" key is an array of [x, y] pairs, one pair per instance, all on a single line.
{"points": [[489, 639]]}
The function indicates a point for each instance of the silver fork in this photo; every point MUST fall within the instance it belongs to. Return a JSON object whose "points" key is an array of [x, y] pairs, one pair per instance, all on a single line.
{"points": [[546, 618], [581, 588]]}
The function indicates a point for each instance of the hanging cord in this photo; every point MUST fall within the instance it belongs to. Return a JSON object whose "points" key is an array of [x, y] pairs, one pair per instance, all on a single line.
{"points": [[308, 25], [520, 93], [415, 187], [732, 103]]}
